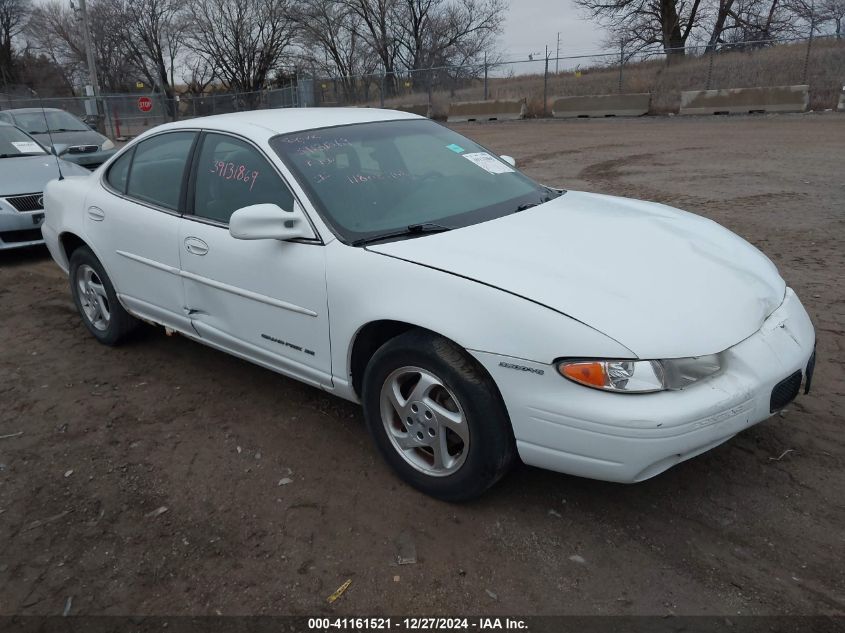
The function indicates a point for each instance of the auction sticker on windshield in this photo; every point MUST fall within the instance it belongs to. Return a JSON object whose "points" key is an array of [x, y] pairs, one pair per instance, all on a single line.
{"points": [[488, 163], [27, 147]]}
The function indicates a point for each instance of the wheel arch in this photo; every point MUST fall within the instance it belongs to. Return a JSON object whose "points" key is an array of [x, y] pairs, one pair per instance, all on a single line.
{"points": [[371, 336], [69, 242], [367, 340]]}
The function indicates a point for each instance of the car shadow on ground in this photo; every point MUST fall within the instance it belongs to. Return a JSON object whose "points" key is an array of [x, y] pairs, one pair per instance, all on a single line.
{"points": [[23, 256]]}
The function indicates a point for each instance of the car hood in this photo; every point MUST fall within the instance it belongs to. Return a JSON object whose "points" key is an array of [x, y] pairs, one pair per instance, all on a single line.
{"points": [[82, 137], [662, 282], [26, 174]]}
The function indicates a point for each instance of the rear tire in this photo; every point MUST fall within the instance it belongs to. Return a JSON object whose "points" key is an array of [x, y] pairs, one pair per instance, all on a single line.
{"points": [[96, 299], [437, 417]]}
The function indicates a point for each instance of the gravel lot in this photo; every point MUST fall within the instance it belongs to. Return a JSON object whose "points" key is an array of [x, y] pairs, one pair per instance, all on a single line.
{"points": [[111, 436]]}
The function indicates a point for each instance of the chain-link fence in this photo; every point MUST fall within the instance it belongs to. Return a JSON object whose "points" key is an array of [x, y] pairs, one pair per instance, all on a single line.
{"points": [[127, 115], [818, 62]]}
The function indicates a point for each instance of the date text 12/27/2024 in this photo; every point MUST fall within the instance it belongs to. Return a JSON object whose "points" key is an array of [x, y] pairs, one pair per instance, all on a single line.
{"points": [[416, 624]]}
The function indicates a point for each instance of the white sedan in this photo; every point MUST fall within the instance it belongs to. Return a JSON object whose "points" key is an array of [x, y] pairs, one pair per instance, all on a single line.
{"points": [[475, 314]]}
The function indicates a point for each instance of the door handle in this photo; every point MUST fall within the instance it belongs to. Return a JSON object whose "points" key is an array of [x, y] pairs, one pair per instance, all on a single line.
{"points": [[96, 214], [195, 246]]}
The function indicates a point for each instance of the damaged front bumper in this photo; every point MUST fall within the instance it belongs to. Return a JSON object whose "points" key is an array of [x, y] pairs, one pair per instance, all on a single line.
{"points": [[628, 438]]}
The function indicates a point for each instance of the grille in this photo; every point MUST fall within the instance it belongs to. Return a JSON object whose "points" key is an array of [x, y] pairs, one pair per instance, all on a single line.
{"points": [[82, 149], [29, 235], [785, 392], [27, 202]]}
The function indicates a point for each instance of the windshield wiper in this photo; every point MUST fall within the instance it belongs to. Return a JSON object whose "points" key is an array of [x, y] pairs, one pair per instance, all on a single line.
{"points": [[553, 193], [411, 229]]}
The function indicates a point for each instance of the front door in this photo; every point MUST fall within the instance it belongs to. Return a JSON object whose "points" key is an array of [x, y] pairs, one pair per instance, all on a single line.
{"points": [[260, 299], [136, 213]]}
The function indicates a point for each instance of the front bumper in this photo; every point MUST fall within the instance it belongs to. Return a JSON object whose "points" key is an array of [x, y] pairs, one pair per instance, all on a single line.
{"points": [[20, 229], [626, 438], [89, 160]]}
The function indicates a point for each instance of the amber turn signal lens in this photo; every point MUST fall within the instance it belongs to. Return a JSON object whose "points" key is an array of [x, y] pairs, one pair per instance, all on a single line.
{"points": [[587, 373]]}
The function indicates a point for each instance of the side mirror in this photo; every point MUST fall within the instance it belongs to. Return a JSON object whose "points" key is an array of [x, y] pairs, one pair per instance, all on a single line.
{"points": [[510, 160], [269, 222]]}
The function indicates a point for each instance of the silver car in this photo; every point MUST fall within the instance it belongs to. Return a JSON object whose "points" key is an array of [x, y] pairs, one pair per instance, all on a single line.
{"points": [[25, 168], [72, 139]]}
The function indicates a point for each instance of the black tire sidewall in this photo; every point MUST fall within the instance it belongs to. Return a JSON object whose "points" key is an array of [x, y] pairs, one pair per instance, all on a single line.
{"points": [[491, 450], [120, 322]]}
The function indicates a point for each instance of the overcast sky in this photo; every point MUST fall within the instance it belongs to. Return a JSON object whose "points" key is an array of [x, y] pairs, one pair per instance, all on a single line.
{"points": [[531, 24]]}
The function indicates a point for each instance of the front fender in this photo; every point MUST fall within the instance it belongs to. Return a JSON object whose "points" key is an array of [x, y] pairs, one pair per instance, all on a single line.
{"points": [[364, 286]]}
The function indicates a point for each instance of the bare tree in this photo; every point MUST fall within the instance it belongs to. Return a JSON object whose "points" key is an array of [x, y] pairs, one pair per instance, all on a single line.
{"points": [[154, 33], [833, 11], [644, 23], [380, 28], [333, 43], [245, 40], [54, 31], [441, 33], [13, 17], [197, 74]]}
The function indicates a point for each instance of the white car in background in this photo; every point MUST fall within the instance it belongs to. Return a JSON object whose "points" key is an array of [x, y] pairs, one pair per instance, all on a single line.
{"points": [[475, 314]]}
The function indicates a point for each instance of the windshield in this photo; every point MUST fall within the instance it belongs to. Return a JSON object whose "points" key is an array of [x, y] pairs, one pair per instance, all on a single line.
{"points": [[59, 121], [13, 143], [374, 179]]}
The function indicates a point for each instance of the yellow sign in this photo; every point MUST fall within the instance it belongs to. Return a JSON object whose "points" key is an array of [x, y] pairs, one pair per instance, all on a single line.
{"points": [[139, 84], [577, 73], [407, 84]]}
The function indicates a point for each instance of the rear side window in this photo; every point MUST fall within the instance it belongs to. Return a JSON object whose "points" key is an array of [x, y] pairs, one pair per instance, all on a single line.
{"points": [[232, 174], [158, 167], [119, 171]]}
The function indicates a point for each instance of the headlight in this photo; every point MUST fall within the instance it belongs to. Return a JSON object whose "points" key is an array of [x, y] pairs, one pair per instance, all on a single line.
{"points": [[107, 145], [639, 376]]}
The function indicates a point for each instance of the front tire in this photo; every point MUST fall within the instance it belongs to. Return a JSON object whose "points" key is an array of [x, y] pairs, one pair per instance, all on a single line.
{"points": [[436, 417], [96, 299]]}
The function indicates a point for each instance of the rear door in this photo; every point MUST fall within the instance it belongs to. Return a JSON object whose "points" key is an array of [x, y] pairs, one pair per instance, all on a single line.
{"points": [[261, 299], [132, 221]]}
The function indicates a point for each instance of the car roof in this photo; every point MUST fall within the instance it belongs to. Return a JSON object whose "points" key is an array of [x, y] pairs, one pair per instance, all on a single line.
{"points": [[269, 123]]}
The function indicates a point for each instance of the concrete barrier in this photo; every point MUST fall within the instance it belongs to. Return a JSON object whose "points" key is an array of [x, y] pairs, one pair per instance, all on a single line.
{"points": [[423, 109], [745, 100], [601, 105], [486, 110]]}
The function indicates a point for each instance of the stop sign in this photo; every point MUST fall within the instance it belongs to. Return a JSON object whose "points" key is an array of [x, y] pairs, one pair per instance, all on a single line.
{"points": [[145, 104]]}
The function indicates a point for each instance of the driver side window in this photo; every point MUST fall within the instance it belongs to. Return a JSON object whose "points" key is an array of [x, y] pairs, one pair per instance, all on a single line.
{"points": [[232, 174]]}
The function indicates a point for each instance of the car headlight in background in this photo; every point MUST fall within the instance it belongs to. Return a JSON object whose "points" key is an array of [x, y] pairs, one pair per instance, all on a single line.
{"points": [[107, 145], [639, 376]]}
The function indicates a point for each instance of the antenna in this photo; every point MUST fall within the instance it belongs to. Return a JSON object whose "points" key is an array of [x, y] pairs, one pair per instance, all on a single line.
{"points": [[50, 134]]}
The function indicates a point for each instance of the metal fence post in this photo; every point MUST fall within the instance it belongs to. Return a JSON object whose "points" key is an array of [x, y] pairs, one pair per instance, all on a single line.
{"points": [[621, 62], [485, 75], [381, 89], [430, 75], [710, 66], [809, 41], [546, 82]]}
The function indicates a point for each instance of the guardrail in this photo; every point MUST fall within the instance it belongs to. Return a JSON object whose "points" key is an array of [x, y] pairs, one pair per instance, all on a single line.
{"points": [[634, 104], [746, 100], [498, 110]]}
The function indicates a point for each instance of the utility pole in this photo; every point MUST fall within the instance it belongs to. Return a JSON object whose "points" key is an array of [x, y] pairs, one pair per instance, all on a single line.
{"points": [[89, 54], [546, 82], [557, 53]]}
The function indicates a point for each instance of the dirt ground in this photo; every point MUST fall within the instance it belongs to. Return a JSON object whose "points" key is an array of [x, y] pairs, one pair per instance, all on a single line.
{"points": [[110, 436]]}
